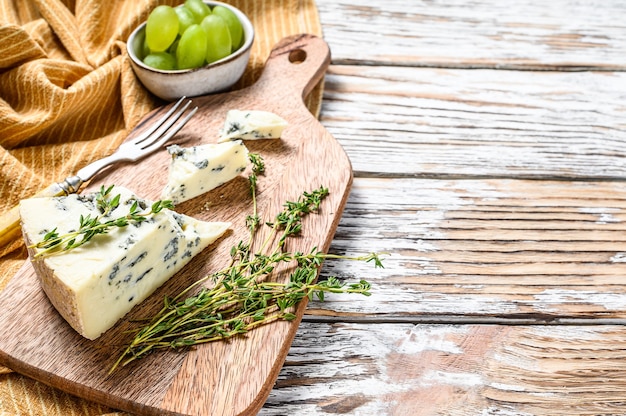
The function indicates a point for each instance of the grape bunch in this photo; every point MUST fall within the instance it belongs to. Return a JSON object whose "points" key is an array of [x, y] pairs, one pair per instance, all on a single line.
{"points": [[190, 35]]}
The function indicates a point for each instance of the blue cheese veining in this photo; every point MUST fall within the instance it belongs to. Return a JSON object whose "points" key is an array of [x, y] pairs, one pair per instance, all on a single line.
{"points": [[251, 125], [199, 169], [96, 284]]}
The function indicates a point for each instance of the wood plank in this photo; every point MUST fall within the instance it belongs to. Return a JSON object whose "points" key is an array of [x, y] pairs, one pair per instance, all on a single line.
{"points": [[533, 34], [406, 369], [456, 123], [483, 248], [442, 159]]}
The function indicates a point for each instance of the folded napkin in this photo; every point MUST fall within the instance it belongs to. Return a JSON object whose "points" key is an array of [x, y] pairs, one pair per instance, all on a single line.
{"points": [[68, 96]]}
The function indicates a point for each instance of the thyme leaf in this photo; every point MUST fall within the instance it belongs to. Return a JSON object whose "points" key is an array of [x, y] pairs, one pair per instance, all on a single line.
{"points": [[90, 226]]}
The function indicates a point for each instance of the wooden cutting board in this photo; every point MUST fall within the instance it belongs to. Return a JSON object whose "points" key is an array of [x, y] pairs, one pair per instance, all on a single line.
{"points": [[222, 378]]}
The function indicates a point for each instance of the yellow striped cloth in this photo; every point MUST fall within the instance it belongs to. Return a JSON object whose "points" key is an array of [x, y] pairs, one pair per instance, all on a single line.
{"points": [[68, 97]]}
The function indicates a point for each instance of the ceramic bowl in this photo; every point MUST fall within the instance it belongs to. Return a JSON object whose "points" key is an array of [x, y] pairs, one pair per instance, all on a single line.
{"points": [[215, 77]]}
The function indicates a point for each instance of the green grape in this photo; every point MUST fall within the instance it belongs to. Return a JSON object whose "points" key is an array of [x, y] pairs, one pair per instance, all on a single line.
{"points": [[192, 47], [185, 18], [172, 49], [234, 25], [198, 8], [161, 28], [160, 60], [145, 50], [218, 38]]}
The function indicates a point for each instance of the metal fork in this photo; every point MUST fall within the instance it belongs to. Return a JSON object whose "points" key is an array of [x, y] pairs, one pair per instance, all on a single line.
{"points": [[139, 147]]}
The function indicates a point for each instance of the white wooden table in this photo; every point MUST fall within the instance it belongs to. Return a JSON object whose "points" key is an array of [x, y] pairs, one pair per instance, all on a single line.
{"points": [[487, 139]]}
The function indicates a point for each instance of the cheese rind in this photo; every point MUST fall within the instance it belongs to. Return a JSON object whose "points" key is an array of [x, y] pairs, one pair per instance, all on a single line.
{"points": [[251, 125], [96, 284], [199, 169]]}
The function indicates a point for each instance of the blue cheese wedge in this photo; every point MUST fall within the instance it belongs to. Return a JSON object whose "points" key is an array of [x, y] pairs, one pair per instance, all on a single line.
{"points": [[96, 284], [199, 169], [251, 125]]}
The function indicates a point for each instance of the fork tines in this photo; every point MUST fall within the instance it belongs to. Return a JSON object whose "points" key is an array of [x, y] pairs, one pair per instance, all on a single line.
{"points": [[163, 129]]}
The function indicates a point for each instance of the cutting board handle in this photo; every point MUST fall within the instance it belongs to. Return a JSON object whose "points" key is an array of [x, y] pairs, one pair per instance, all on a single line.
{"points": [[296, 63]]}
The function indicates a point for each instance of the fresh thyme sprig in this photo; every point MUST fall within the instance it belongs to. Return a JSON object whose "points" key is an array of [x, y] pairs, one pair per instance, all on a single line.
{"points": [[258, 168], [91, 226], [290, 219], [243, 296], [234, 306]]}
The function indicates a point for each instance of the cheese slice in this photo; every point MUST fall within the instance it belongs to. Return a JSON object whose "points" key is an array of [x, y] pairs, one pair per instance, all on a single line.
{"points": [[199, 169], [96, 284], [251, 125]]}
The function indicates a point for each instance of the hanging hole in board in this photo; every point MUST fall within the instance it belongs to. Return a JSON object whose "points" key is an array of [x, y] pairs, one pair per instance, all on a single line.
{"points": [[297, 57]]}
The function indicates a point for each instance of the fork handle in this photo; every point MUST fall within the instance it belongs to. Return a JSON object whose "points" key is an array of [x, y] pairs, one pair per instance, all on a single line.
{"points": [[10, 220]]}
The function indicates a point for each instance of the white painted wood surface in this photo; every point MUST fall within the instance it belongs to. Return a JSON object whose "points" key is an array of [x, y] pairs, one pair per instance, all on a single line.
{"points": [[478, 123], [488, 141], [489, 248], [529, 34], [419, 370]]}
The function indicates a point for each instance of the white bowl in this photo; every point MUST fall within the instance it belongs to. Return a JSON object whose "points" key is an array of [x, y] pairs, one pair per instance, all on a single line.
{"points": [[215, 77]]}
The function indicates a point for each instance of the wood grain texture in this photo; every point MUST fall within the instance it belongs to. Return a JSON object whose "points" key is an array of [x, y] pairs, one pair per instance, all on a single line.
{"points": [[239, 374], [487, 144], [565, 35], [458, 123], [511, 249], [464, 370]]}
